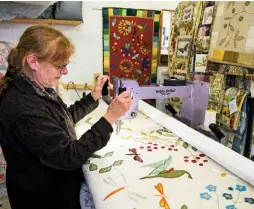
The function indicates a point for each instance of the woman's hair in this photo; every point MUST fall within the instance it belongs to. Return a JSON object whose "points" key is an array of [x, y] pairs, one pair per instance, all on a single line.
{"points": [[45, 42]]}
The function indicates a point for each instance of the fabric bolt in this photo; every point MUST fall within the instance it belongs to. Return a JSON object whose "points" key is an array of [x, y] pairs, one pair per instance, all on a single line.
{"points": [[130, 14], [216, 94], [237, 122]]}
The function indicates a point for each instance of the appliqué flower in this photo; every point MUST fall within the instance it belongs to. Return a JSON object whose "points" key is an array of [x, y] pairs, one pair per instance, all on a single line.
{"points": [[211, 188], [231, 207], [124, 27], [230, 188], [227, 196], [145, 50], [205, 196], [240, 188], [249, 200], [126, 66]]}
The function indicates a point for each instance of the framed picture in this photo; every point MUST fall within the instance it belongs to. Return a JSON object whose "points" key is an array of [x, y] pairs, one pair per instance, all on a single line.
{"points": [[180, 68], [203, 44], [188, 14], [204, 30], [208, 15], [200, 63], [183, 47]]}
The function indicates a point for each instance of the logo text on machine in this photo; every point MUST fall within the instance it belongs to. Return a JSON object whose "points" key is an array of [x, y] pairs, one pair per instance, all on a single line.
{"points": [[165, 92]]}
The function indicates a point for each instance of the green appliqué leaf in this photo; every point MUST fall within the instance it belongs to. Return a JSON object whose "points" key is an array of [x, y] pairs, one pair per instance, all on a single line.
{"points": [[129, 29], [105, 170], [127, 22], [239, 38], [143, 133], [228, 42], [93, 167], [96, 156], [222, 41], [227, 18], [184, 207], [185, 145], [170, 174], [237, 33], [151, 132], [109, 154], [232, 28], [118, 163], [247, 3], [194, 149]]}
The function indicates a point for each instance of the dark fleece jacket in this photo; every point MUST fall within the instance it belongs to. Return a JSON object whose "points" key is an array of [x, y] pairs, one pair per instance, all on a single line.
{"points": [[43, 155]]}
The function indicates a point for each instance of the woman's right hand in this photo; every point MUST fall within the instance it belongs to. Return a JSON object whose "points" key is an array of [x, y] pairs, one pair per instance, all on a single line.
{"points": [[118, 107]]}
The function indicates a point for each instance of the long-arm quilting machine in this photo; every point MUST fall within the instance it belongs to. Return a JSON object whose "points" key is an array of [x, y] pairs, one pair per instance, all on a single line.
{"points": [[157, 161]]}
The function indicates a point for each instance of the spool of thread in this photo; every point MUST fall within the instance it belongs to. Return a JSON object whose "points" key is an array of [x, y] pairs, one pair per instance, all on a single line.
{"points": [[210, 117]]}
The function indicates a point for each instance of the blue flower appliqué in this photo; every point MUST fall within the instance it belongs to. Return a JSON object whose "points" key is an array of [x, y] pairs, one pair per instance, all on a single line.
{"points": [[231, 207], [227, 196], [240, 188], [230, 188], [205, 196], [211, 188], [249, 200]]}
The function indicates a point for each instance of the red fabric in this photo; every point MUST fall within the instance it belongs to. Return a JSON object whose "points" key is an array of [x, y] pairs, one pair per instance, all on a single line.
{"points": [[131, 42]]}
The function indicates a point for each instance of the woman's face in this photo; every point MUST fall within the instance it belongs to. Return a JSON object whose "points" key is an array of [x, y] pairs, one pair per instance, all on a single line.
{"points": [[49, 74], [46, 73]]}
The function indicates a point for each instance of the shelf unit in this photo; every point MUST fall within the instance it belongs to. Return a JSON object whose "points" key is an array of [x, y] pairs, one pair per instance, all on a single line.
{"points": [[44, 21]]}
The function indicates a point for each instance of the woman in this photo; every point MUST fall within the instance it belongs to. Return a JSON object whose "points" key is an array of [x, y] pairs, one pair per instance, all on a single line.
{"points": [[43, 155]]}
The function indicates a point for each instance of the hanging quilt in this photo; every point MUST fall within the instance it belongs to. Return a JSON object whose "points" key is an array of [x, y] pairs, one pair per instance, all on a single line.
{"points": [[186, 22], [131, 40], [130, 43], [187, 19], [233, 33]]}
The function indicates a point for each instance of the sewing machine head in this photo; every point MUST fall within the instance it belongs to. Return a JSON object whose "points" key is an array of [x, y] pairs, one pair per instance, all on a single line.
{"points": [[195, 98], [121, 85]]}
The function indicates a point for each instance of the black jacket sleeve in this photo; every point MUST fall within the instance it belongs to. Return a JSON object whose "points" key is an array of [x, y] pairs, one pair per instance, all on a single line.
{"points": [[44, 137], [82, 108]]}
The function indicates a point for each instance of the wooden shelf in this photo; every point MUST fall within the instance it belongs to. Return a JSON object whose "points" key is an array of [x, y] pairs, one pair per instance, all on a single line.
{"points": [[44, 21], [77, 86], [229, 63]]}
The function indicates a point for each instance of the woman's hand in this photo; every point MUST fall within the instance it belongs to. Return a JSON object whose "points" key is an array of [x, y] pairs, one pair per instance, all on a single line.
{"points": [[118, 107], [97, 91]]}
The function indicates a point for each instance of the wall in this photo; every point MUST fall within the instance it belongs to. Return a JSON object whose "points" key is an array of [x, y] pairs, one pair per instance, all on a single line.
{"points": [[87, 37]]}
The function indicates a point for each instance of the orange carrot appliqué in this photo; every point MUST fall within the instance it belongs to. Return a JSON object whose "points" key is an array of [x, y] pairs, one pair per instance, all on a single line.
{"points": [[114, 192]]}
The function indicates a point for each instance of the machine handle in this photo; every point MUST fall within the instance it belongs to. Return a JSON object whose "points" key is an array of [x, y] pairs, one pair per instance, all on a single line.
{"points": [[105, 89], [217, 132], [121, 90], [170, 109]]}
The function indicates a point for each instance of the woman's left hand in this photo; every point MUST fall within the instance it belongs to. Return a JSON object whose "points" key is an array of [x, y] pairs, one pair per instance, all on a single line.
{"points": [[97, 91]]}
